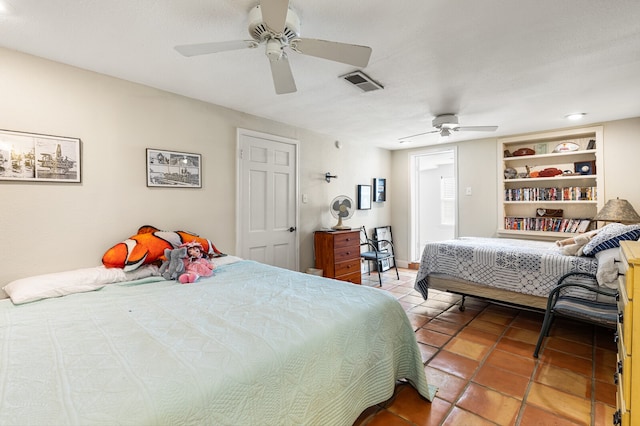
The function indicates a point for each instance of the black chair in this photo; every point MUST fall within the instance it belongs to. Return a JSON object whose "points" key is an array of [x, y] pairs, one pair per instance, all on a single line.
{"points": [[378, 251], [595, 312]]}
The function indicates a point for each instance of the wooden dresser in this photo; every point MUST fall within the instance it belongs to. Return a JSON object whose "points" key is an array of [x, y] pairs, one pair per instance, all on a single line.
{"points": [[338, 254], [627, 375]]}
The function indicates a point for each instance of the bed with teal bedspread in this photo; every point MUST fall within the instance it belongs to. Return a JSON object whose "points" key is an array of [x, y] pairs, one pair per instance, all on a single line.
{"points": [[252, 345]]}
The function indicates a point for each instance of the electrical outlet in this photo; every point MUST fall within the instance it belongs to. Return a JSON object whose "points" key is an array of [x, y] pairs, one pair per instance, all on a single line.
{"points": [[468, 191]]}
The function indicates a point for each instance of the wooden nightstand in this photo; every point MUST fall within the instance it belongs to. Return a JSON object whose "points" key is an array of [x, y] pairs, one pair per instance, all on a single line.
{"points": [[338, 254]]}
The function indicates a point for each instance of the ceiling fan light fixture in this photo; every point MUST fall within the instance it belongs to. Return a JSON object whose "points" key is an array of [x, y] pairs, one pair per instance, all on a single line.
{"points": [[273, 50], [575, 116]]}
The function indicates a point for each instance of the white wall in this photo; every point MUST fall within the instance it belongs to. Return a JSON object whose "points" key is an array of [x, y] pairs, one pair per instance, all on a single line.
{"points": [[477, 168], [49, 227]]}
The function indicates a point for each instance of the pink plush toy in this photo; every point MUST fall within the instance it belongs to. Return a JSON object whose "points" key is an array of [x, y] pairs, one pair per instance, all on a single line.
{"points": [[196, 264]]}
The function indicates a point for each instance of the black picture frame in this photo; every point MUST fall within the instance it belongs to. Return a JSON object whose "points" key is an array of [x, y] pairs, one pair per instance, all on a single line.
{"points": [[382, 237], [173, 169], [364, 197], [379, 190], [37, 157]]}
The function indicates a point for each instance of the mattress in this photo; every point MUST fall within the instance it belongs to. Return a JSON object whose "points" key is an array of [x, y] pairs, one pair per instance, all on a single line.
{"points": [[520, 266], [252, 345]]}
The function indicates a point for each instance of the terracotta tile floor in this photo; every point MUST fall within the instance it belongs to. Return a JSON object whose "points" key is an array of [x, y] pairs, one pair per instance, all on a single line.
{"points": [[482, 361]]}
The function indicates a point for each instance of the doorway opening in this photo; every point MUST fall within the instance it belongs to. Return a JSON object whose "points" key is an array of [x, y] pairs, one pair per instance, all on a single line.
{"points": [[434, 206]]}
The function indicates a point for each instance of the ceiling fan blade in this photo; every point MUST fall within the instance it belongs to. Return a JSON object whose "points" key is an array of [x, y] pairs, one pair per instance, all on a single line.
{"points": [[417, 134], [274, 14], [476, 128], [214, 47], [351, 54], [282, 76]]}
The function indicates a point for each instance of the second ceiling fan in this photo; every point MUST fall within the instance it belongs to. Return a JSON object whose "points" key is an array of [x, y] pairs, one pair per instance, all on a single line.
{"points": [[275, 25], [445, 124]]}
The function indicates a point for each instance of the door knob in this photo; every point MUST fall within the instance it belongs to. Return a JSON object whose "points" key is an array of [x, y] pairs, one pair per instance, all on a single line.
{"points": [[293, 228]]}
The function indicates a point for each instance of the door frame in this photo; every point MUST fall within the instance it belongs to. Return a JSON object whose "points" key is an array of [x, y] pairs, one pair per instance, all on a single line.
{"points": [[414, 255], [239, 185]]}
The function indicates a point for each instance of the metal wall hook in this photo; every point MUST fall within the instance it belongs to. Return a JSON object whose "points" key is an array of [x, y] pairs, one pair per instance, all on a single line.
{"points": [[328, 177]]}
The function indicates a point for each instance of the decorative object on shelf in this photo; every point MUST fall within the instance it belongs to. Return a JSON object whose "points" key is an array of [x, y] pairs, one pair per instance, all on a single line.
{"points": [[566, 147], [617, 210], [541, 148], [549, 172], [380, 190], [341, 208], [549, 212], [39, 158], [591, 144], [510, 173], [364, 197], [173, 169], [328, 176], [523, 151], [507, 153], [585, 167]]}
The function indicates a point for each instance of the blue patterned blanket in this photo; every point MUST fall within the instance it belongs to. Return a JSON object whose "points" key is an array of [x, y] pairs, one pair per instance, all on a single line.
{"points": [[522, 266]]}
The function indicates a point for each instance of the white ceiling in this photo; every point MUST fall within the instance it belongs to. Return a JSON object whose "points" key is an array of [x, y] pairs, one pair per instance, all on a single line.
{"points": [[521, 65]]}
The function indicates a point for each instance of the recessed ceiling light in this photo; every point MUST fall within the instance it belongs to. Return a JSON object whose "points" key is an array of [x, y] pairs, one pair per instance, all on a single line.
{"points": [[575, 116]]}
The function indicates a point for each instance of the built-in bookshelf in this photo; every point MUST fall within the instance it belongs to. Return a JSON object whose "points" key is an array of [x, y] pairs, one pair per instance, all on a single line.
{"points": [[559, 171]]}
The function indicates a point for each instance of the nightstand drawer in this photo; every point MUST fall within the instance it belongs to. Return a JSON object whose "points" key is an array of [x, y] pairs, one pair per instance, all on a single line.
{"points": [[347, 239], [346, 253], [348, 267], [355, 278]]}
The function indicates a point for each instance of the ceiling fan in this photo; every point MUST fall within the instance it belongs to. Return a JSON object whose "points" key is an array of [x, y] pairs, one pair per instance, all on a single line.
{"points": [[445, 124], [275, 25]]}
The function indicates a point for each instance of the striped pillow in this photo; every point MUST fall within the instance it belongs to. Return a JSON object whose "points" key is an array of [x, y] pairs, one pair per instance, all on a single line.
{"points": [[610, 236]]}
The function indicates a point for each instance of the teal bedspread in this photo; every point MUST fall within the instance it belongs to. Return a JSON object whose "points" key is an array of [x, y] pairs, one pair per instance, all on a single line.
{"points": [[252, 345]]}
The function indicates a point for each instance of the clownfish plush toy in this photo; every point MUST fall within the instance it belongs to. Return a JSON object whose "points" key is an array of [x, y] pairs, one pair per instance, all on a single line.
{"points": [[148, 246]]}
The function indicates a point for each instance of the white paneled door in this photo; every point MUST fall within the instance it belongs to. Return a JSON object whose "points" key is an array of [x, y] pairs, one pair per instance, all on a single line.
{"points": [[267, 209]]}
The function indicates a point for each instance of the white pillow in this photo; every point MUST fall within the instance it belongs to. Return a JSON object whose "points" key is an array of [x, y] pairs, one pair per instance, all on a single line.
{"points": [[59, 284]]}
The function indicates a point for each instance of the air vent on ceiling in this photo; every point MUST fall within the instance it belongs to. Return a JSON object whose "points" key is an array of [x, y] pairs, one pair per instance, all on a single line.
{"points": [[362, 81]]}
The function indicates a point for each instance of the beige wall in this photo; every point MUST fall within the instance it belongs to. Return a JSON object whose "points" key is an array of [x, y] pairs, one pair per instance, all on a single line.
{"points": [[477, 168], [48, 227]]}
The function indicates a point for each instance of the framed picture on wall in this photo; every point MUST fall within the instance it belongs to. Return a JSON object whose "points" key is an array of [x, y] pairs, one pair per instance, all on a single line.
{"points": [[173, 169], [379, 190], [39, 158], [364, 197]]}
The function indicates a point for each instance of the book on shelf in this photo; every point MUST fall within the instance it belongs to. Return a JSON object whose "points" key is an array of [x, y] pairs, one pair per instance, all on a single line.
{"points": [[546, 224]]}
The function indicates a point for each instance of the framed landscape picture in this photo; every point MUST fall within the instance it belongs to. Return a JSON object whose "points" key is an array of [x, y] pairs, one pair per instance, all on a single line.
{"points": [[173, 169], [39, 158]]}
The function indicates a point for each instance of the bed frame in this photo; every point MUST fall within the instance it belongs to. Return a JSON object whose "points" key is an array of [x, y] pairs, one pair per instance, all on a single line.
{"points": [[467, 288]]}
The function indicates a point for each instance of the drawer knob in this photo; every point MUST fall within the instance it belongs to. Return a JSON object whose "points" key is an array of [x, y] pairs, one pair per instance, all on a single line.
{"points": [[619, 369], [616, 338], [620, 317], [617, 418], [615, 378]]}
